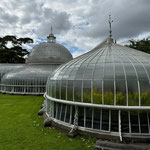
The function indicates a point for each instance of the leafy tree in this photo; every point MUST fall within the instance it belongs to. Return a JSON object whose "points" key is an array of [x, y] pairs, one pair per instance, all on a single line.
{"points": [[142, 45], [16, 53]]}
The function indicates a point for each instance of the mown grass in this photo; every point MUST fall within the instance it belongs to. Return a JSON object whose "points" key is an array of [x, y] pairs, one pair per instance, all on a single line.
{"points": [[21, 128]]}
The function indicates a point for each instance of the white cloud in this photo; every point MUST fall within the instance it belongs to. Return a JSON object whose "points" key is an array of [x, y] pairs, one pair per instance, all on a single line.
{"points": [[80, 23], [77, 53], [9, 44]]}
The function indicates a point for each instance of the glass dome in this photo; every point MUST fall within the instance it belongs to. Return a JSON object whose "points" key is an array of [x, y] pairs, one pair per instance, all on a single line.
{"points": [[106, 91], [31, 78], [49, 52]]}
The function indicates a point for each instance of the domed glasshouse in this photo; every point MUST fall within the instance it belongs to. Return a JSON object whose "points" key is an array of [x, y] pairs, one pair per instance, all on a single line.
{"points": [[32, 77], [105, 92]]}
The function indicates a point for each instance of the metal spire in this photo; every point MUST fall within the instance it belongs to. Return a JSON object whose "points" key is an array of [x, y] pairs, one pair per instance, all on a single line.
{"points": [[51, 37], [51, 30], [110, 22]]}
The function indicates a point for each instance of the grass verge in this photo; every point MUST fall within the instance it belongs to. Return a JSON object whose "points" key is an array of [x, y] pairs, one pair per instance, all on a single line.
{"points": [[21, 128]]}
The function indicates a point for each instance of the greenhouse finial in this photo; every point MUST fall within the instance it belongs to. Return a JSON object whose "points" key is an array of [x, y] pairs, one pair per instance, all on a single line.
{"points": [[51, 30], [110, 23], [51, 37]]}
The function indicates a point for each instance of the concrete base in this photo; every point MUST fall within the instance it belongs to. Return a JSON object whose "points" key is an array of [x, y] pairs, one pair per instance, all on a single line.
{"points": [[47, 122], [100, 135], [121, 146], [41, 111], [73, 133]]}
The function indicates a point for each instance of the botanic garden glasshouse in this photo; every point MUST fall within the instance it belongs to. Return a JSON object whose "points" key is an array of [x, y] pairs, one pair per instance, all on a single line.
{"points": [[105, 92], [31, 78]]}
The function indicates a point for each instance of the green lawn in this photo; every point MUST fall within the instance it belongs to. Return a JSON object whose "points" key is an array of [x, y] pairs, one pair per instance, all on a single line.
{"points": [[21, 128]]}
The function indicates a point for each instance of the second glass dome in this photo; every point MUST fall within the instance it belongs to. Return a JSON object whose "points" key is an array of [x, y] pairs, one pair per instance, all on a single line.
{"points": [[32, 77]]}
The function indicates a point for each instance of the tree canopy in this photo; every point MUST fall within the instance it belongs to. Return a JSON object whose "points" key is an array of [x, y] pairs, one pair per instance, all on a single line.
{"points": [[15, 53], [142, 45]]}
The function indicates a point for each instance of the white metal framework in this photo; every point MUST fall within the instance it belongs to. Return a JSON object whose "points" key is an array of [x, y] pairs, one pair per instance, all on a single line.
{"points": [[110, 85]]}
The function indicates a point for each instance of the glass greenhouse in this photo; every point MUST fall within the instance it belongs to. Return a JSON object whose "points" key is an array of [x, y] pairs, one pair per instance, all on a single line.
{"points": [[32, 77], [103, 92], [5, 68]]}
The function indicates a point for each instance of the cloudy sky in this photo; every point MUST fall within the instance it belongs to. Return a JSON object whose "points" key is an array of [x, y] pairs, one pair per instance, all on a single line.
{"points": [[78, 24]]}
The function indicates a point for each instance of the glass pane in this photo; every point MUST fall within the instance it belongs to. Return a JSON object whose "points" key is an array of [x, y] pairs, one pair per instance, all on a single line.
{"points": [[98, 71], [58, 89], [72, 114], [140, 71], [97, 92], [67, 114], [121, 98], [63, 112], [124, 122], [145, 92], [105, 119], [63, 89], [81, 116], [88, 123], [81, 71], [96, 119], [144, 122], [72, 75], [130, 72], [134, 122], [119, 72], [58, 110], [133, 95], [89, 71], [70, 90], [114, 120], [109, 92], [55, 110], [77, 90], [109, 71], [53, 88], [87, 91]]}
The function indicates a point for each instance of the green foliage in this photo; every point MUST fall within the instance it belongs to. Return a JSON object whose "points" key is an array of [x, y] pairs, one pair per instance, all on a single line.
{"points": [[121, 99], [16, 53], [77, 96], [133, 99], [142, 45], [97, 96], [69, 95], [145, 99], [21, 128], [109, 98], [87, 96], [63, 93]]}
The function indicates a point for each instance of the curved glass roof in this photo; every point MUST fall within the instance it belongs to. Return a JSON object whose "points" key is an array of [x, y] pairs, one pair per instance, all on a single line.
{"points": [[109, 74], [5, 68], [27, 79]]}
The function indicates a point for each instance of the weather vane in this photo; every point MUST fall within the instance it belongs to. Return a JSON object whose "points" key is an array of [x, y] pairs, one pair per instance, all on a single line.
{"points": [[110, 22]]}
